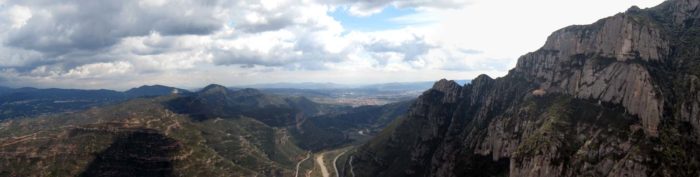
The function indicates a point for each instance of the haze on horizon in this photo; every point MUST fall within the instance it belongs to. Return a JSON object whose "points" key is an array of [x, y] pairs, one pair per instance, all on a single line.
{"points": [[118, 44]]}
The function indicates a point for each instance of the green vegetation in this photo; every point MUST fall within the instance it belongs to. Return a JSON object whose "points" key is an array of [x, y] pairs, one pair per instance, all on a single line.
{"points": [[551, 134]]}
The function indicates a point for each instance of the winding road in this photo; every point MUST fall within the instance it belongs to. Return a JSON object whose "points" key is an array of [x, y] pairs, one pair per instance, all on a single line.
{"points": [[308, 155], [335, 162]]}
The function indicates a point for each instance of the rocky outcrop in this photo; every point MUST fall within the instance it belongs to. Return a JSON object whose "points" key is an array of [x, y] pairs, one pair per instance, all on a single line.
{"points": [[450, 89]]}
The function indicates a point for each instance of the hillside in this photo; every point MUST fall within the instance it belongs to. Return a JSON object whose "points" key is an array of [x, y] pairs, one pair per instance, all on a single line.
{"points": [[341, 128], [101, 142]]}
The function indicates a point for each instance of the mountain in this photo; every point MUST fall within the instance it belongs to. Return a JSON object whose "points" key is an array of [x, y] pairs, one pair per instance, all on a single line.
{"points": [[216, 101], [154, 90], [5, 90], [619, 97], [29, 102]]}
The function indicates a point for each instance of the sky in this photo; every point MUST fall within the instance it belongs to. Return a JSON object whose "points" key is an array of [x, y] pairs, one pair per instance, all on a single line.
{"points": [[119, 44]]}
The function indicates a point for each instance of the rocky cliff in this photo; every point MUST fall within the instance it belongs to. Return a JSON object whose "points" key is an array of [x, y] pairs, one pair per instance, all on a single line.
{"points": [[615, 98]]}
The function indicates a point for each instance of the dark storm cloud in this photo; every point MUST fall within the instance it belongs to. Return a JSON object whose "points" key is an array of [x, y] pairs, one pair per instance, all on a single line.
{"points": [[60, 27]]}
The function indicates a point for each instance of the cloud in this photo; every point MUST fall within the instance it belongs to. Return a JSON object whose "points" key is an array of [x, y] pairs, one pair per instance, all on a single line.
{"points": [[64, 37], [411, 48], [59, 27], [17, 16], [99, 43]]}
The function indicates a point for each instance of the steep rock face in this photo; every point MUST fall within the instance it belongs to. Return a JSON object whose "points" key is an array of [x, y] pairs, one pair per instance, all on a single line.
{"points": [[623, 37], [593, 77], [600, 61], [615, 98]]}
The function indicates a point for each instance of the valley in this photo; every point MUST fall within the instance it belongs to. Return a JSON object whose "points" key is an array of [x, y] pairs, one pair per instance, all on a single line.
{"points": [[242, 132], [325, 163]]}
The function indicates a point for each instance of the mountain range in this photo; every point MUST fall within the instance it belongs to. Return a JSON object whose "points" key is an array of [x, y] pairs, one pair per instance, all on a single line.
{"points": [[213, 132], [28, 102]]}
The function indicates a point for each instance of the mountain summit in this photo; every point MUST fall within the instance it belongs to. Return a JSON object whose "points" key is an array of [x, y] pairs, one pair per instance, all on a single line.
{"points": [[214, 88], [154, 90]]}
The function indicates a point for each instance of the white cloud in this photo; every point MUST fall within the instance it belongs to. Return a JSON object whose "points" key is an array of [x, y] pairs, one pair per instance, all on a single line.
{"points": [[18, 16], [99, 70]]}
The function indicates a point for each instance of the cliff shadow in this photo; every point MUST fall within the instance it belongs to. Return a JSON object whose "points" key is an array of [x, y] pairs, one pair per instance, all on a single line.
{"points": [[134, 154]]}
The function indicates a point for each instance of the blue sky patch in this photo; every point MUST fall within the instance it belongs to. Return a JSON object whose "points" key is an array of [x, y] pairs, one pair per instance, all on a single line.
{"points": [[375, 22]]}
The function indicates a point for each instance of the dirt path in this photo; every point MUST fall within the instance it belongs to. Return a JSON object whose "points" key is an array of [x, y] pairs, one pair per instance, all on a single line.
{"points": [[352, 171], [308, 155], [335, 162], [319, 161]]}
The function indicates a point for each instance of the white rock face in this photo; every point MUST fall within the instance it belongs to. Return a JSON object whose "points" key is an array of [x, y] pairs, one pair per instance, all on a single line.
{"points": [[622, 37]]}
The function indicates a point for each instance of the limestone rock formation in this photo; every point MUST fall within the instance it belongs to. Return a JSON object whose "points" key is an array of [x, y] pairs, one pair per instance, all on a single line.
{"points": [[615, 98]]}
